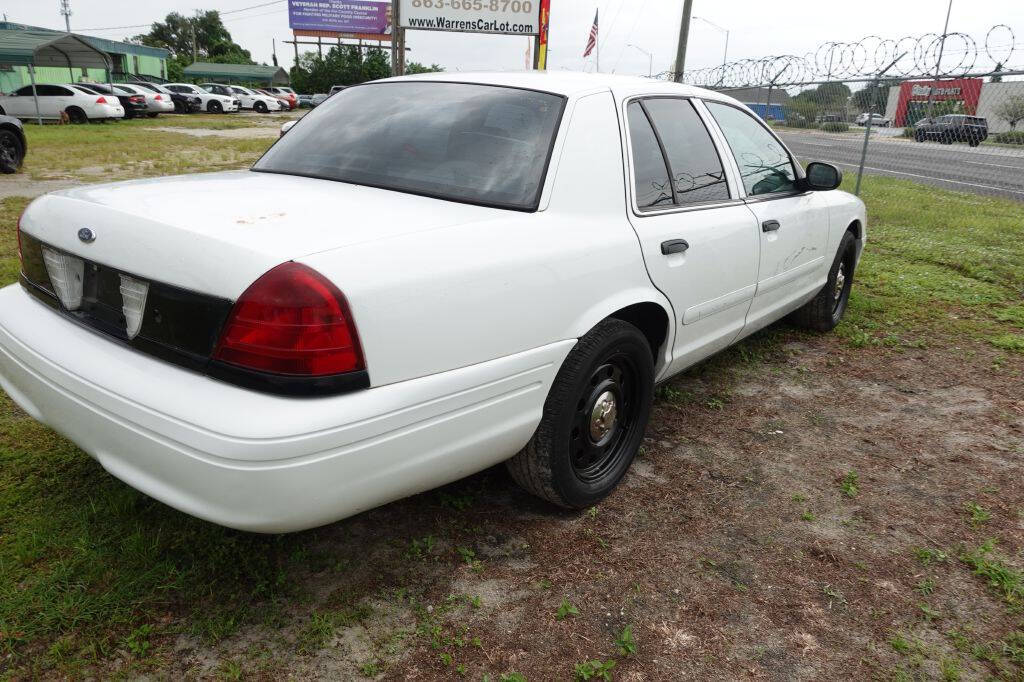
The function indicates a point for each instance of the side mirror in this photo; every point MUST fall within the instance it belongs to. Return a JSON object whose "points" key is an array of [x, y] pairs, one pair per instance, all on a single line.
{"points": [[822, 176], [286, 126]]}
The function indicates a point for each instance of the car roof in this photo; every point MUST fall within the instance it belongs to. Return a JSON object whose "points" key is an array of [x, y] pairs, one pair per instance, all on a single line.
{"points": [[570, 83]]}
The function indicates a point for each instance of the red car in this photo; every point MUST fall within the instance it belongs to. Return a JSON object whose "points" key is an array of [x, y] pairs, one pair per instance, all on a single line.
{"points": [[286, 94]]}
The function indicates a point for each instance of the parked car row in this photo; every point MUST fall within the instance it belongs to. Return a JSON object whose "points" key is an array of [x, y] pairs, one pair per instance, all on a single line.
{"points": [[84, 102], [319, 98]]}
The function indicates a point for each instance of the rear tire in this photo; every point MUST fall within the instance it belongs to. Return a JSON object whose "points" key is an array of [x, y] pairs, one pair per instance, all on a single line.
{"points": [[152, 115], [823, 312], [76, 115], [215, 107], [260, 107], [594, 419]]}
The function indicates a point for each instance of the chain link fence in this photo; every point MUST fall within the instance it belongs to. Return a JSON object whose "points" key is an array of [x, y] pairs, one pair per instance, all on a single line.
{"points": [[946, 111]]}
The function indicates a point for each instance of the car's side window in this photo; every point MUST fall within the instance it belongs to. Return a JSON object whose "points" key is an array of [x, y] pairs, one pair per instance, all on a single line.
{"points": [[650, 172], [697, 171], [765, 165]]}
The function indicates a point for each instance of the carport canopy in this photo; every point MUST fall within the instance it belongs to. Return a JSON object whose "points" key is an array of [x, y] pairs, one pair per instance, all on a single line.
{"points": [[38, 48], [238, 73]]}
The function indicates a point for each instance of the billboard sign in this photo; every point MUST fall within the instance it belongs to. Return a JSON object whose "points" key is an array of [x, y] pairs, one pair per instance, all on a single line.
{"points": [[355, 17], [506, 17]]}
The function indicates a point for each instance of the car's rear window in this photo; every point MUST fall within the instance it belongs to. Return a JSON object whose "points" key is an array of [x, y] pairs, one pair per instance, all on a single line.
{"points": [[479, 144]]}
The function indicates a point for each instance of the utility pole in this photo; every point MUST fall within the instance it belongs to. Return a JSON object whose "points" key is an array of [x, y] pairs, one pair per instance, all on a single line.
{"points": [[684, 34], [195, 50], [65, 9]]}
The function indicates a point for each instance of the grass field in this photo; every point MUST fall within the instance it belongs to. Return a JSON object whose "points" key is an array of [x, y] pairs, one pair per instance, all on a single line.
{"points": [[99, 580], [129, 149]]}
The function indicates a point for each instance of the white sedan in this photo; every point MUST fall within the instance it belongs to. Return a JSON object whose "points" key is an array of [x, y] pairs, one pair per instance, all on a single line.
{"points": [[455, 273], [212, 103], [257, 101], [79, 105], [156, 103]]}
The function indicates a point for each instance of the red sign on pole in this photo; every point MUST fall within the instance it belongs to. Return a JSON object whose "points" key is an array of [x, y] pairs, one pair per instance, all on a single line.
{"points": [[915, 93], [542, 37]]}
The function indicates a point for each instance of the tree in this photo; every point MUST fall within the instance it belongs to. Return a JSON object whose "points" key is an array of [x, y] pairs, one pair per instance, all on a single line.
{"points": [[997, 74], [202, 35], [872, 98], [345, 65], [1011, 110], [416, 67], [342, 65], [828, 96]]}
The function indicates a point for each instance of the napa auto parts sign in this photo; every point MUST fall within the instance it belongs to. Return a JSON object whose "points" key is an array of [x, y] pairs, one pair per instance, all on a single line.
{"points": [[340, 16], [507, 17]]}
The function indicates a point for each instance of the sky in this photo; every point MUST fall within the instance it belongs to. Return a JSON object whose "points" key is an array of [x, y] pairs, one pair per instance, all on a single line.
{"points": [[756, 28]]}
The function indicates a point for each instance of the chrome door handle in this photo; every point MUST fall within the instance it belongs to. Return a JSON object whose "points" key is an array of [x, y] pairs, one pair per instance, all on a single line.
{"points": [[770, 226], [674, 246]]}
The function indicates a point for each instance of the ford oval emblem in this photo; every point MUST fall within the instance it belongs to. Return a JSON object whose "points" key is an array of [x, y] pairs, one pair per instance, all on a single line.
{"points": [[87, 235]]}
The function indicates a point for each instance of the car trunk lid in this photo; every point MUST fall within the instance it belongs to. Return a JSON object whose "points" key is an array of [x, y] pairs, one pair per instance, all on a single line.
{"points": [[216, 233]]}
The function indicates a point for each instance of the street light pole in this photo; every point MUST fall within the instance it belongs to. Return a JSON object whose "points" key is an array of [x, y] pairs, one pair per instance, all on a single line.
{"points": [[650, 59], [725, 54], [938, 62]]}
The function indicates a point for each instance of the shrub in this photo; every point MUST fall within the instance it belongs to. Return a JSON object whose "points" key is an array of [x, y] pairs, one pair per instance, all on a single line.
{"points": [[1011, 137], [835, 127], [908, 132]]}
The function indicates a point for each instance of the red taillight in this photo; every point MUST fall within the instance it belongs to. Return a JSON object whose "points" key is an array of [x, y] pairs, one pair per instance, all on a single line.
{"points": [[101, 100], [291, 321], [158, 98], [137, 99]]}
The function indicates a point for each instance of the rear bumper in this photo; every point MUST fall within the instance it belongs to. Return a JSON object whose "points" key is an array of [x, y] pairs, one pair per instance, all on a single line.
{"points": [[259, 462]]}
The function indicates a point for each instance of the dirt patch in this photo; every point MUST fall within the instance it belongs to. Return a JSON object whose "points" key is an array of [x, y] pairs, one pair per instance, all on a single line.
{"points": [[773, 528], [22, 185], [234, 133]]}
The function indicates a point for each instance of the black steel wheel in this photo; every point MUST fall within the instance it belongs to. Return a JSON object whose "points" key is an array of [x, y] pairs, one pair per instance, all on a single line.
{"points": [[605, 418], [215, 107], [823, 312], [594, 418]]}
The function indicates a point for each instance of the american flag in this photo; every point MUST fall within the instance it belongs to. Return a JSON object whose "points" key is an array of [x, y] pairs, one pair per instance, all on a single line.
{"points": [[592, 40]]}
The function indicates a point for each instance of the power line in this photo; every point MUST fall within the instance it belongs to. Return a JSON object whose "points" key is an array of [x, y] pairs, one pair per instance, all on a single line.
{"points": [[230, 11]]}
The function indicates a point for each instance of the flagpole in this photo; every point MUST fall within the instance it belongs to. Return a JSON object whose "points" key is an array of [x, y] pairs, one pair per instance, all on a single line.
{"points": [[597, 58]]}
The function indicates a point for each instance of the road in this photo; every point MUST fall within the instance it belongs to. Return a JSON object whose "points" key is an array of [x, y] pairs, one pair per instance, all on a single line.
{"points": [[991, 170]]}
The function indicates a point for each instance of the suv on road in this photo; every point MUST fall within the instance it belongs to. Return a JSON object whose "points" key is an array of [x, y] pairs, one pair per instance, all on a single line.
{"points": [[876, 120], [952, 128]]}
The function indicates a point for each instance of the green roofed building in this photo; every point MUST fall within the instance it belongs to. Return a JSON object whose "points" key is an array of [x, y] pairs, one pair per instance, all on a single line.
{"points": [[44, 49], [236, 73]]}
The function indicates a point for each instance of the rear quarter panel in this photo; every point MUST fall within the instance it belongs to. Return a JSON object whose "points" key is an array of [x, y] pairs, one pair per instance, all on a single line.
{"points": [[458, 296]]}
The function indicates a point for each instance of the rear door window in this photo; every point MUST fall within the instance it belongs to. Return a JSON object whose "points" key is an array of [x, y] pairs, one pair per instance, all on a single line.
{"points": [[697, 172], [650, 170]]}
